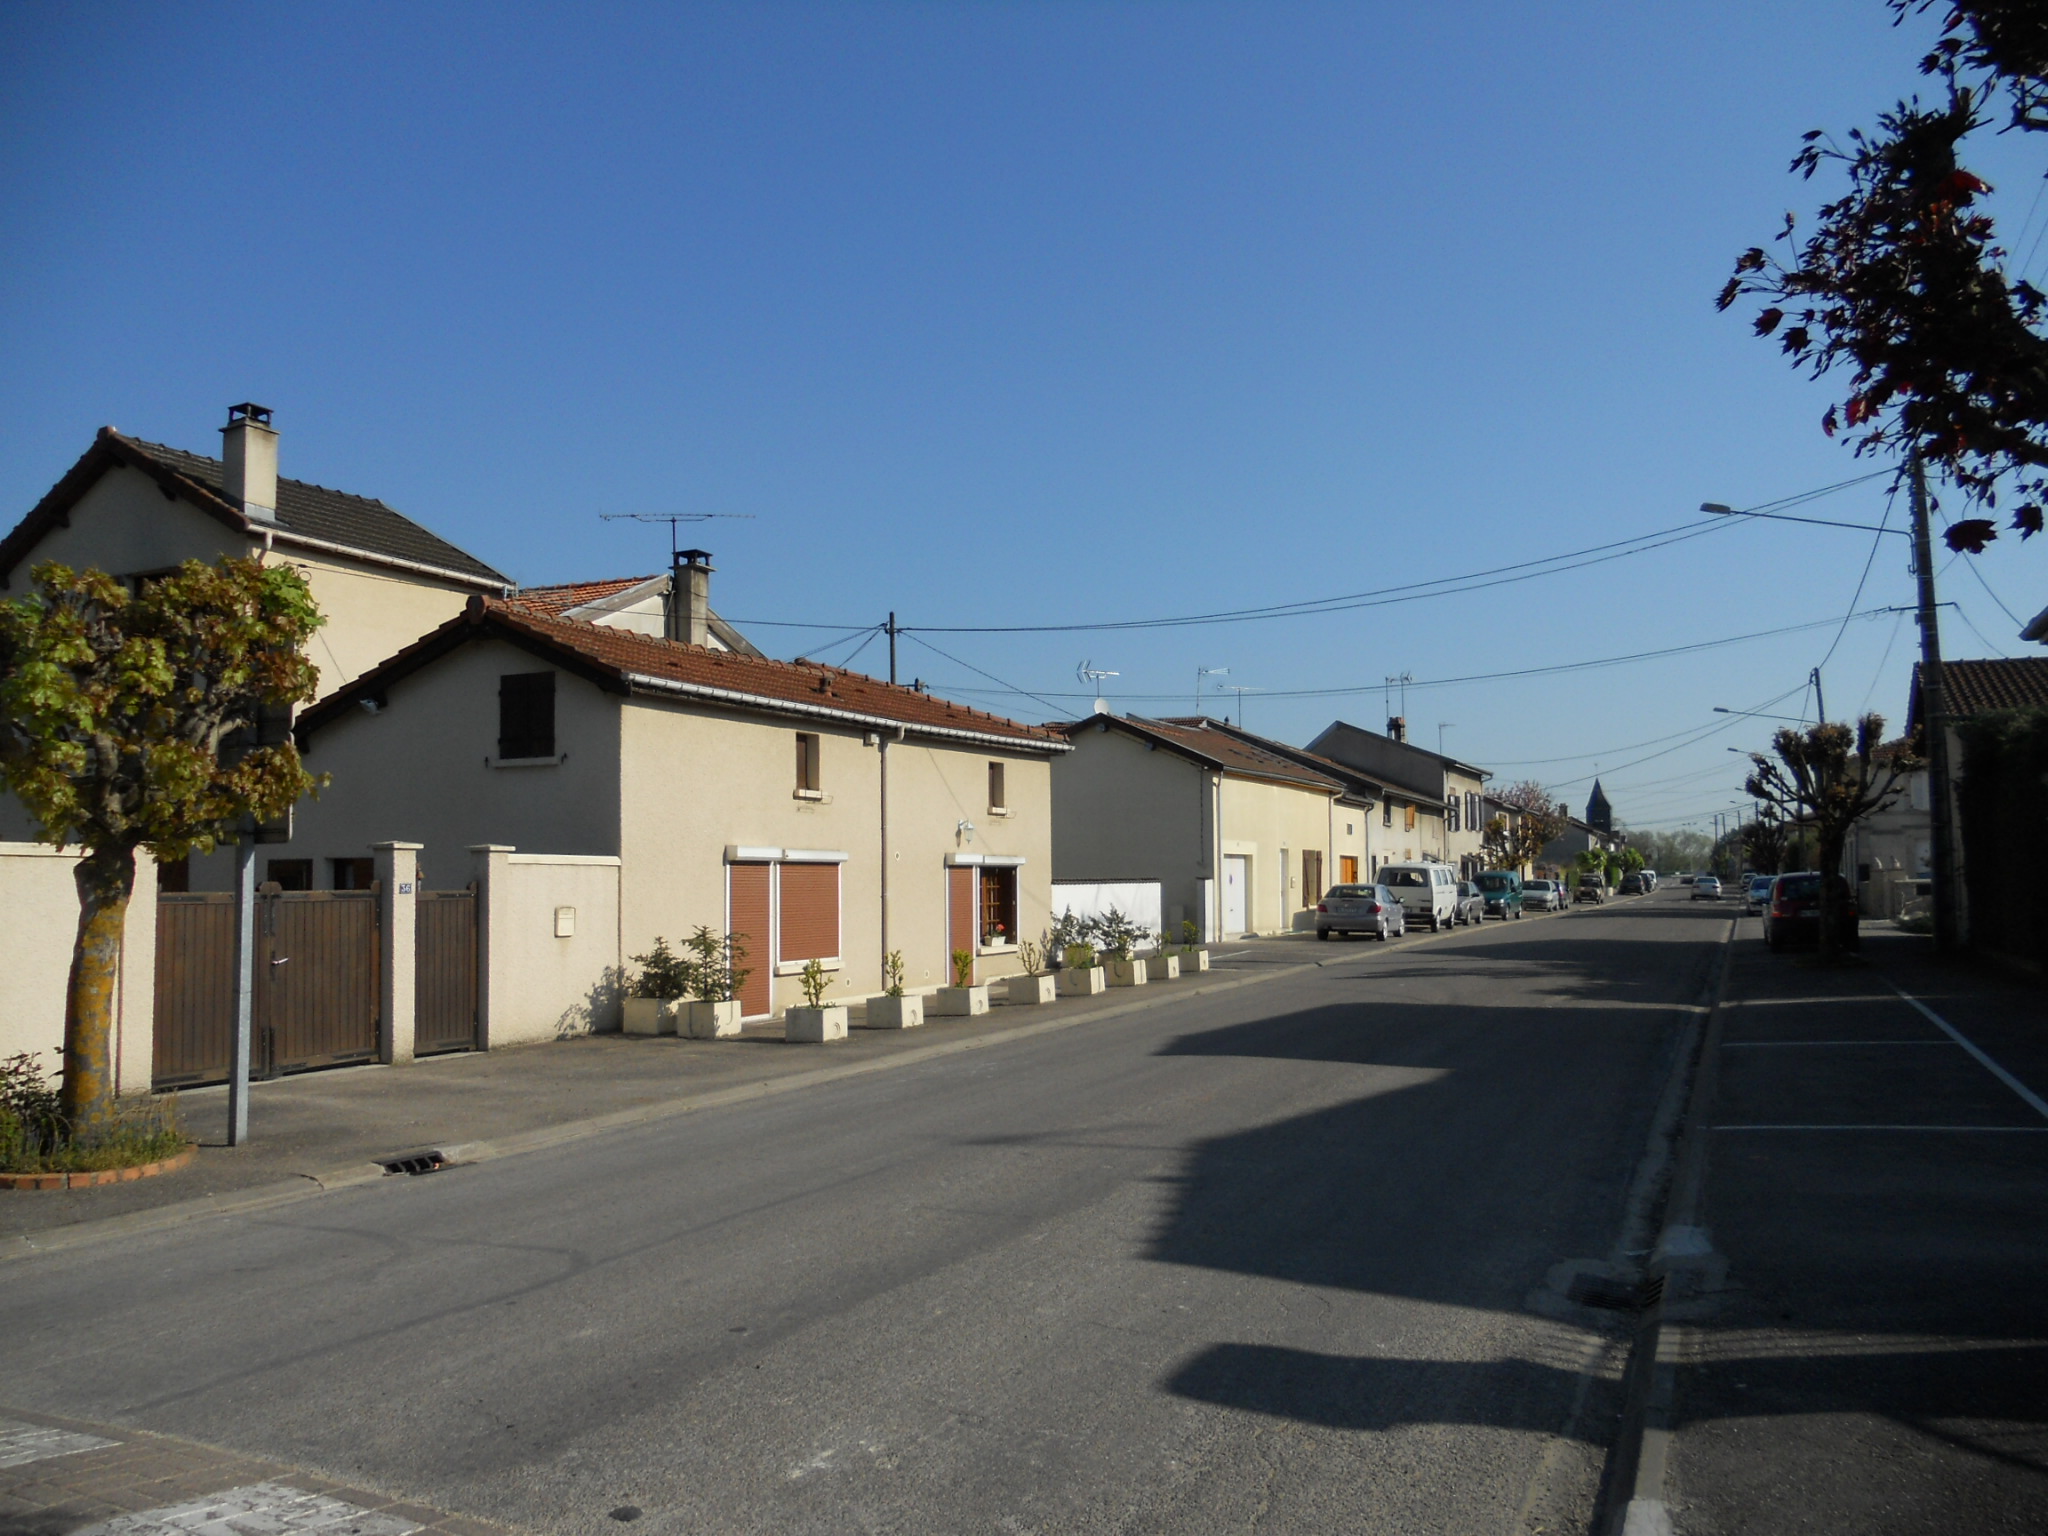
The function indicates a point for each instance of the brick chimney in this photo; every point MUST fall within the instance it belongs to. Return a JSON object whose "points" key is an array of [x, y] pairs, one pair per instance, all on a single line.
{"points": [[1397, 727], [689, 598], [248, 462]]}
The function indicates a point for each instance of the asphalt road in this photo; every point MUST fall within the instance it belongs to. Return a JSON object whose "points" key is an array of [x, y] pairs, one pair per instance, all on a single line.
{"points": [[1271, 1259]]}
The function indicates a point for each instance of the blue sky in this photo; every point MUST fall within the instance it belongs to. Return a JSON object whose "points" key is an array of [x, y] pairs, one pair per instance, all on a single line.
{"points": [[1003, 315]]}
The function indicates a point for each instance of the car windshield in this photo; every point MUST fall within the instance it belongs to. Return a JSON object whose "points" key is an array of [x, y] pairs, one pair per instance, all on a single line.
{"points": [[1494, 882], [1405, 877]]}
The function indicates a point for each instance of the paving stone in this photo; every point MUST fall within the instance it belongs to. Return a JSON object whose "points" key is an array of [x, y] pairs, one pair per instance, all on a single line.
{"points": [[21, 1443], [257, 1509]]}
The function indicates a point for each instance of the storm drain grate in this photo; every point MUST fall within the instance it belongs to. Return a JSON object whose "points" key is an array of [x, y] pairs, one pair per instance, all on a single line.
{"points": [[415, 1163], [1617, 1295]]}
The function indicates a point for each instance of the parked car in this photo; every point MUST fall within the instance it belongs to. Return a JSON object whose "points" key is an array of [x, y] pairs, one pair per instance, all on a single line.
{"points": [[1632, 884], [1687, 879], [1650, 879], [1542, 895], [1503, 891], [1471, 903], [1369, 909], [1591, 888], [1428, 893], [1793, 916], [1756, 896], [1706, 888]]}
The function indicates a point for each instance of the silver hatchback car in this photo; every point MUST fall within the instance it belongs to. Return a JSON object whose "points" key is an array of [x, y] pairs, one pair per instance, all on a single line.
{"points": [[1360, 909]]}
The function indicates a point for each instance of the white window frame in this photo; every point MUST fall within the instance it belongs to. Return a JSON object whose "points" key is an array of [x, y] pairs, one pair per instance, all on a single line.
{"points": [[775, 858]]}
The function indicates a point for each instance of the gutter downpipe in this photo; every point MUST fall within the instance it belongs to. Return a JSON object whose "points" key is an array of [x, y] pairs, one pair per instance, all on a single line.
{"points": [[882, 748], [1222, 865]]}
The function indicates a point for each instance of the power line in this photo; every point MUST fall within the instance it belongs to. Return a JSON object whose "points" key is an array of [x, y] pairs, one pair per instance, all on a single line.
{"points": [[970, 666], [1636, 746], [1994, 596]]}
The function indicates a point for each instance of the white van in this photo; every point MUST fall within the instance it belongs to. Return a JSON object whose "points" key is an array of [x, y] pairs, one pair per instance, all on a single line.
{"points": [[1428, 893]]}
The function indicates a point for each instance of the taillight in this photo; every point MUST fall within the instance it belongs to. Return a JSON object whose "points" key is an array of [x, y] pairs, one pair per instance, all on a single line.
{"points": [[1322, 906]]}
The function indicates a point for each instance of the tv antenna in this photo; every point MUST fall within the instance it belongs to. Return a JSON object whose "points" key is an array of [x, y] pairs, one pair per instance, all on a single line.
{"points": [[1400, 681], [1240, 689], [1091, 674], [672, 518], [1202, 672]]}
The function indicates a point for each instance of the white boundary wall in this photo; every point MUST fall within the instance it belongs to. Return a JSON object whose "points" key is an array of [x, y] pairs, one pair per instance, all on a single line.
{"points": [[38, 924], [548, 927], [1137, 900]]}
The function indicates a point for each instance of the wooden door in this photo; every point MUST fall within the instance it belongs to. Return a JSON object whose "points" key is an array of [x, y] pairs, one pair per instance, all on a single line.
{"points": [[960, 932], [316, 978], [748, 921], [444, 971], [195, 988], [1347, 869], [1311, 876]]}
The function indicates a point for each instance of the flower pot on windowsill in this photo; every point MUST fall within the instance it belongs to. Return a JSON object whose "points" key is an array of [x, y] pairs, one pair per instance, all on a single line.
{"points": [[1164, 967], [1040, 988], [651, 1015], [959, 1002], [713, 1021], [1084, 982], [1126, 973], [895, 1012], [815, 1026]]}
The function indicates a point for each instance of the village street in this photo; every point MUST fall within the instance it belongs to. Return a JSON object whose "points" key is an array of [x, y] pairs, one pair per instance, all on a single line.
{"points": [[1277, 1256]]}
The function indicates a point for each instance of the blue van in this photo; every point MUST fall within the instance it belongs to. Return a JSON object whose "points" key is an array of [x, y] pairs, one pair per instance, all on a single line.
{"points": [[1502, 889]]}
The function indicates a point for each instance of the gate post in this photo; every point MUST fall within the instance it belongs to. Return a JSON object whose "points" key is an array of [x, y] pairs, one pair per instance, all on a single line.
{"points": [[397, 883], [490, 865]]}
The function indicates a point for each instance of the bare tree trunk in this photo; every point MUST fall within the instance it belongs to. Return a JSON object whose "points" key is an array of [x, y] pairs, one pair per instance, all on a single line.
{"points": [[105, 879]]}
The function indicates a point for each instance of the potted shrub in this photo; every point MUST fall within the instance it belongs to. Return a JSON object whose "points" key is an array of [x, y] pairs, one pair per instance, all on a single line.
{"points": [[656, 993], [893, 1010], [715, 977], [1163, 964], [1035, 985], [1194, 954], [817, 1021], [1081, 976], [963, 998], [1119, 937]]}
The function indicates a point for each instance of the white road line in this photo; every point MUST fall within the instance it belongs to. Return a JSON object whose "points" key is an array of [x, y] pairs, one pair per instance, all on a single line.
{"points": [[22, 1443], [1730, 1045], [267, 1508], [2017, 1130], [2034, 1100]]}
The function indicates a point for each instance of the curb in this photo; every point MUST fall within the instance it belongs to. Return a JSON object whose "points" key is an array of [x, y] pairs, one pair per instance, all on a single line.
{"points": [[31, 1182]]}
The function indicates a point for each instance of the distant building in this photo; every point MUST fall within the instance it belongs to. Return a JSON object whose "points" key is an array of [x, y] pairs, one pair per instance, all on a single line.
{"points": [[1599, 814]]}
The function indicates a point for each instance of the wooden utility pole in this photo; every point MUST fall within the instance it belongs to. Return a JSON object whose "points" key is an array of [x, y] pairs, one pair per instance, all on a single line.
{"points": [[1934, 719]]}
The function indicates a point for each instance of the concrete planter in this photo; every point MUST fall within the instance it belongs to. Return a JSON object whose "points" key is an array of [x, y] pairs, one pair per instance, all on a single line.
{"points": [[1194, 960], [1086, 983], [814, 1026], [895, 1012], [1164, 967], [651, 1015], [959, 1002], [1030, 989], [713, 1021], [1126, 973]]}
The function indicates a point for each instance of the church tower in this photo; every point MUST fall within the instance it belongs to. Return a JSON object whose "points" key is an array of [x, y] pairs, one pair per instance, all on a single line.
{"points": [[1598, 812]]}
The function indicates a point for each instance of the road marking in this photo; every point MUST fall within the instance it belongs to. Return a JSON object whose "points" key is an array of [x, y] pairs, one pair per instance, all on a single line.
{"points": [[2034, 1100], [2018, 1130], [1729, 1045], [22, 1443], [260, 1507]]}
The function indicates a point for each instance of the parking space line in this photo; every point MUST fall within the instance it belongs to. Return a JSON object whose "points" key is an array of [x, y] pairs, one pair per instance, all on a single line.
{"points": [[2034, 1100], [1750, 1045], [2005, 1130]]}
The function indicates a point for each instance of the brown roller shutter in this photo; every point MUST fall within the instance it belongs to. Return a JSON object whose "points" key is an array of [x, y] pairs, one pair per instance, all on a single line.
{"points": [[810, 912], [959, 915], [748, 887]]}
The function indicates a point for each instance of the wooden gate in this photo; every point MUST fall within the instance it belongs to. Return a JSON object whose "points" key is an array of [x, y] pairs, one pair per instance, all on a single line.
{"points": [[315, 1002], [444, 972]]}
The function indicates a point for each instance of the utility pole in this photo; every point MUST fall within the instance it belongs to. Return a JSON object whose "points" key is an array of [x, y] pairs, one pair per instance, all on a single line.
{"points": [[1820, 707], [1934, 719], [891, 627]]}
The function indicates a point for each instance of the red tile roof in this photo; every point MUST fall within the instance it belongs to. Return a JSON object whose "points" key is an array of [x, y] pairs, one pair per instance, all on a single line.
{"points": [[557, 600], [625, 661], [1977, 687], [1209, 744]]}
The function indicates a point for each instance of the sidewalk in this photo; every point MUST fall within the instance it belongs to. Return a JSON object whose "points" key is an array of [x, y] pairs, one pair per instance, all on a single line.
{"points": [[1876, 1358], [322, 1130]]}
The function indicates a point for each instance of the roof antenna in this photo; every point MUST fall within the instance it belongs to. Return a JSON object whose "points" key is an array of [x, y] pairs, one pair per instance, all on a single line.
{"points": [[1088, 672], [672, 518]]}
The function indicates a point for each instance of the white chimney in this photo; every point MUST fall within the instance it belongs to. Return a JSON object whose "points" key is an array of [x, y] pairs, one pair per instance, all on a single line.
{"points": [[689, 597], [248, 462]]}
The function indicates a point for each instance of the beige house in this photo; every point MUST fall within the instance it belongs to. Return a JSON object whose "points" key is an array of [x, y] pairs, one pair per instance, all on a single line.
{"points": [[134, 508], [1444, 800], [818, 813], [1242, 837]]}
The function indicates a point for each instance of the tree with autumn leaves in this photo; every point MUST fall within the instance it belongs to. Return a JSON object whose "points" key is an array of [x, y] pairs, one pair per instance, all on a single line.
{"points": [[1513, 841], [1903, 284], [127, 721]]}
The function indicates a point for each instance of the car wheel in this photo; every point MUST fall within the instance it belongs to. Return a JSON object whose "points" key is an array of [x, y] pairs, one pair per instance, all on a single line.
{"points": [[1323, 934]]}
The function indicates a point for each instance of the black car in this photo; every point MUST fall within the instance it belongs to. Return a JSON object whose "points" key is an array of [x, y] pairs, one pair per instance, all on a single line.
{"points": [[1632, 885], [1792, 915]]}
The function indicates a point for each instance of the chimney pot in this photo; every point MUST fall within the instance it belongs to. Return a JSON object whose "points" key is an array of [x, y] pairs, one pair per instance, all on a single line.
{"points": [[1397, 727], [248, 462]]}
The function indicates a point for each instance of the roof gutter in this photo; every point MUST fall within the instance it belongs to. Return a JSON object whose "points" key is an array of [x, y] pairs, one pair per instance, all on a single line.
{"points": [[844, 716]]}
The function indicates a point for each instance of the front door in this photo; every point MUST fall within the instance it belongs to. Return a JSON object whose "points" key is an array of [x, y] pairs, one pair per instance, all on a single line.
{"points": [[1236, 880], [747, 921], [1311, 876], [1347, 869], [960, 928]]}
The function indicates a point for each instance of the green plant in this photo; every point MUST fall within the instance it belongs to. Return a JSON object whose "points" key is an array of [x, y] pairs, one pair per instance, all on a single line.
{"points": [[892, 973], [1190, 936], [1079, 957], [715, 970], [814, 980], [1117, 934], [963, 967], [663, 973], [1032, 956], [146, 720], [1067, 930], [36, 1138]]}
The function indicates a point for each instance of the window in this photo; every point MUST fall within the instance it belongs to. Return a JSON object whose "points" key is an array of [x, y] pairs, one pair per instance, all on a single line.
{"points": [[353, 874], [998, 907], [289, 874], [175, 877], [1451, 815], [808, 898], [996, 800], [807, 776], [1386, 813], [526, 715], [1411, 818]]}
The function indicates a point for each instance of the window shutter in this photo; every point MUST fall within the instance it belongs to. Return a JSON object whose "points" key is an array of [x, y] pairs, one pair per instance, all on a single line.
{"points": [[526, 714], [810, 912]]}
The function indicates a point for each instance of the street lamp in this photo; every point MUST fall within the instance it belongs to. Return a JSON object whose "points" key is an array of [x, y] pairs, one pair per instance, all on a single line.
{"points": [[1724, 510]]}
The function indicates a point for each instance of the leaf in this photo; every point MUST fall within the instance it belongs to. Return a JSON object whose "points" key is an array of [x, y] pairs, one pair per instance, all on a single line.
{"points": [[1828, 423], [2027, 521], [1767, 322], [1971, 534], [1751, 260]]}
